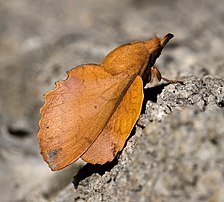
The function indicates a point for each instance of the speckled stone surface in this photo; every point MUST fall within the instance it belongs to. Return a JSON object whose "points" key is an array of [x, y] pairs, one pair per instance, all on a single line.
{"points": [[178, 156]]}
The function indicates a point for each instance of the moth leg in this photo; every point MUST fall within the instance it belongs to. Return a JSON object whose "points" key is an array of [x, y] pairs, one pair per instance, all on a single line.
{"points": [[154, 77], [154, 74], [171, 81]]}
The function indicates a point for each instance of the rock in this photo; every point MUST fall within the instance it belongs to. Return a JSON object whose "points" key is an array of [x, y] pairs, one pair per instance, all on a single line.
{"points": [[178, 156]]}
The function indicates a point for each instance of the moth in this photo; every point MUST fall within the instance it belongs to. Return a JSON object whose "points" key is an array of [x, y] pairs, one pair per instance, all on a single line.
{"points": [[91, 113]]}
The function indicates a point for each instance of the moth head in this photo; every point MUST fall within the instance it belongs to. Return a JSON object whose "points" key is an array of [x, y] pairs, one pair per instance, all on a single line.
{"points": [[155, 46]]}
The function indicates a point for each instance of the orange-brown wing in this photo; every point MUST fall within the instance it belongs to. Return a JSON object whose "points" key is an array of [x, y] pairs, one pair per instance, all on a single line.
{"points": [[76, 111], [112, 139]]}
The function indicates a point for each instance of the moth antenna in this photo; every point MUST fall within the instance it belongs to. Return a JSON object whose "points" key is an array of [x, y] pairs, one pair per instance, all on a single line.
{"points": [[166, 38]]}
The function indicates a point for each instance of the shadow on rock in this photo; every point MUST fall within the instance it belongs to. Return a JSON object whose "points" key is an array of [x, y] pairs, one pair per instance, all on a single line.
{"points": [[151, 94], [90, 169]]}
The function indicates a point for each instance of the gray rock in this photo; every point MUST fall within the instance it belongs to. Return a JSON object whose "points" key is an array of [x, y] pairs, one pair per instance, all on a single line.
{"points": [[178, 156]]}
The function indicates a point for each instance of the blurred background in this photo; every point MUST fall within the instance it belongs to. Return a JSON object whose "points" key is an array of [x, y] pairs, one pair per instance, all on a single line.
{"points": [[41, 39]]}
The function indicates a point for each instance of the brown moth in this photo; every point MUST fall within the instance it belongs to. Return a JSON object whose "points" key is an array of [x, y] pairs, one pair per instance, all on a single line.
{"points": [[91, 113]]}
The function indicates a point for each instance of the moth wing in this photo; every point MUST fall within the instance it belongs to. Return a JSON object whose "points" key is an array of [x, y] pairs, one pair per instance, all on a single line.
{"points": [[112, 139], [76, 111]]}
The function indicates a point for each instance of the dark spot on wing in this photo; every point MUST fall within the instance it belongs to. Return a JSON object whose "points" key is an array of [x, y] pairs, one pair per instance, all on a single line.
{"points": [[52, 155], [90, 141]]}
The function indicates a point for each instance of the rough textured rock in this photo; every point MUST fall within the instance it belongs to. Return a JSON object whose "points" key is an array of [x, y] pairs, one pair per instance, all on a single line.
{"points": [[177, 157], [41, 40]]}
